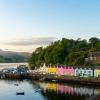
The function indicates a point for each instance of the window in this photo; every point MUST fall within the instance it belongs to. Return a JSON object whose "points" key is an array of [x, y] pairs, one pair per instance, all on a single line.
{"points": [[76, 70], [89, 72], [80, 71], [85, 71], [91, 58], [94, 58]]}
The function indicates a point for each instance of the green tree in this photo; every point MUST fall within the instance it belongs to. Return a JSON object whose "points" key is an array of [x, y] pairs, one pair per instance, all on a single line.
{"points": [[65, 51]]}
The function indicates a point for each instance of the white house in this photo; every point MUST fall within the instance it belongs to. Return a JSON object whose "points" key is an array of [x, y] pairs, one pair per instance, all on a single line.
{"points": [[43, 69]]}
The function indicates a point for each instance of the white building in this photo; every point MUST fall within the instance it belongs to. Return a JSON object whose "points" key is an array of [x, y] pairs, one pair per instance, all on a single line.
{"points": [[43, 69]]}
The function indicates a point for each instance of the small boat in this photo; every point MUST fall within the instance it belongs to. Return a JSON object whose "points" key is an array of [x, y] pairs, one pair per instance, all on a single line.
{"points": [[19, 93], [38, 90], [16, 84], [54, 80]]}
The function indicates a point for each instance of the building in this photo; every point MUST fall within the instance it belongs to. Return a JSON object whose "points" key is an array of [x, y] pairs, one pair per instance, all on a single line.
{"points": [[43, 69], [70, 71], [84, 72], [60, 70], [97, 72], [49, 69], [52, 70], [94, 57]]}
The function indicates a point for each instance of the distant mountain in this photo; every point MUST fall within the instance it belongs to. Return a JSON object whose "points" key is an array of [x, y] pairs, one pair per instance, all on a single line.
{"points": [[9, 56]]}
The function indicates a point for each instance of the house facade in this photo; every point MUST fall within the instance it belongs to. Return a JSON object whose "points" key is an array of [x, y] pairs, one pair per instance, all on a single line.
{"points": [[84, 72], [70, 71], [94, 57], [96, 72], [60, 70], [52, 70], [43, 69]]}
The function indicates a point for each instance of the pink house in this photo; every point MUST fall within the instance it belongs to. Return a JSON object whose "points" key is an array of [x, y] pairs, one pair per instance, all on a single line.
{"points": [[69, 71], [60, 71]]}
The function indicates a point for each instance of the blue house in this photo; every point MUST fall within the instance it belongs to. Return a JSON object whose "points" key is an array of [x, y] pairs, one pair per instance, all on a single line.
{"points": [[84, 72]]}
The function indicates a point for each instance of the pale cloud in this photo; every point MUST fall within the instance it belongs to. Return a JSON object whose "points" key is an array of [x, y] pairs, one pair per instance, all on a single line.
{"points": [[32, 41], [25, 44]]}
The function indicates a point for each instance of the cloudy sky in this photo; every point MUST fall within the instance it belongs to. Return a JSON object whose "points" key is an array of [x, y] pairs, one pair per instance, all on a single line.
{"points": [[27, 24]]}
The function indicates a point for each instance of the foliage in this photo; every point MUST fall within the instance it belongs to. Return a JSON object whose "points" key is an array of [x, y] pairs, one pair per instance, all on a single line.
{"points": [[65, 51]]}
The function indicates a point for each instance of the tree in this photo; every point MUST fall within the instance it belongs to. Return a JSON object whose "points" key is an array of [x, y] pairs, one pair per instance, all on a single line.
{"points": [[65, 51], [94, 44]]}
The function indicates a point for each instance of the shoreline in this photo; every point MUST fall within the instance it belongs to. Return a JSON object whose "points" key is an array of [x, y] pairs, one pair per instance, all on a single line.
{"points": [[55, 78]]}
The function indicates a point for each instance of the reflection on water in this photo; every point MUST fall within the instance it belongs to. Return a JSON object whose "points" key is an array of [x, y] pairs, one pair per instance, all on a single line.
{"points": [[50, 91], [68, 91]]}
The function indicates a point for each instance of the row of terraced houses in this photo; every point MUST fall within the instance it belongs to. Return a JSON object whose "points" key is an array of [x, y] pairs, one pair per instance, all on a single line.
{"points": [[70, 71], [93, 57]]}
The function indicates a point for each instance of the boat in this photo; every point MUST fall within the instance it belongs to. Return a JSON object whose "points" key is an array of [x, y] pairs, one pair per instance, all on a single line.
{"points": [[16, 84], [54, 80], [19, 93], [38, 90]]}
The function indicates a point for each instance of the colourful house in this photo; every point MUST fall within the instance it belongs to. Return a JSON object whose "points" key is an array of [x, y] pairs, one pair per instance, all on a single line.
{"points": [[96, 72], [57, 70], [70, 71], [83, 72], [43, 69], [88, 72], [60, 71], [79, 72], [52, 70]]}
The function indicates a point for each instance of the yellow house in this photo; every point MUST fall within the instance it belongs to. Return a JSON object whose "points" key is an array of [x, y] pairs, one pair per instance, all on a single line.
{"points": [[52, 70], [96, 72], [49, 70]]}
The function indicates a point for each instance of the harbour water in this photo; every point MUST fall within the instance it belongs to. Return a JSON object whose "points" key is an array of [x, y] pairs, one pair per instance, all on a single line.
{"points": [[45, 91], [11, 65]]}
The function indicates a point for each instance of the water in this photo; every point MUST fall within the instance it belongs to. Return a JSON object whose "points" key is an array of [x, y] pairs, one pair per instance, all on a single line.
{"points": [[11, 65], [47, 91]]}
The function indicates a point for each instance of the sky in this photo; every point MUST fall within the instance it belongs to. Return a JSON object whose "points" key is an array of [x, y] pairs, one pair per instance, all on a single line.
{"points": [[28, 24]]}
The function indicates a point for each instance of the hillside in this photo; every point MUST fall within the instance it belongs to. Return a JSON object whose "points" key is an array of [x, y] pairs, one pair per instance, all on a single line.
{"points": [[65, 52], [12, 57]]}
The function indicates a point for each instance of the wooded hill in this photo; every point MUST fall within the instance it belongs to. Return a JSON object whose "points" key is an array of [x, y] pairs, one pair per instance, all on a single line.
{"points": [[13, 57], [65, 52]]}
